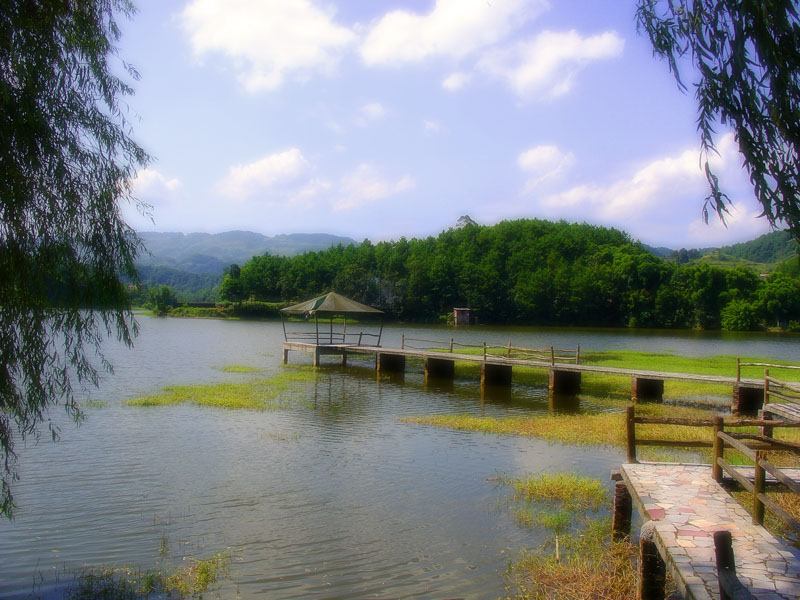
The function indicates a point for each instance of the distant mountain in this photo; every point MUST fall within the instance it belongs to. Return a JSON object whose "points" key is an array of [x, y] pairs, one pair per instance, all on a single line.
{"points": [[768, 248], [207, 253], [660, 252]]}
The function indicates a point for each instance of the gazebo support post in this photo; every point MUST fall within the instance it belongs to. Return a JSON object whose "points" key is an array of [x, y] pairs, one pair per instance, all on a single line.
{"points": [[316, 324], [380, 333]]}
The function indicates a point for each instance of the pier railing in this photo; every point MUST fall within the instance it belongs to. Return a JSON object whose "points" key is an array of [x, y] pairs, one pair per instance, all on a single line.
{"points": [[740, 364], [549, 355], [753, 446], [360, 338]]}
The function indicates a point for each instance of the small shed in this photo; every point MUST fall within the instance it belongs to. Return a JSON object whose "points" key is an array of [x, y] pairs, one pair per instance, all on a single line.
{"points": [[330, 306], [464, 316]]}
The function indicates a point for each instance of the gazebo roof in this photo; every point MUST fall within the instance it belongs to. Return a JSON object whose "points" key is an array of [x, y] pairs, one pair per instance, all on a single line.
{"points": [[330, 304]]}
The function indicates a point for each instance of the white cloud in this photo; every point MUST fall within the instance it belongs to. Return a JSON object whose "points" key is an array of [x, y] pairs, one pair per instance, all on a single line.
{"points": [[267, 40], [247, 180], [651, 186], [370, 112], [542, 163], [453, 29], [149, 182], [660, 202], [365, 185], [741, 223], [456, 81], [547, 65], [432, 126]]}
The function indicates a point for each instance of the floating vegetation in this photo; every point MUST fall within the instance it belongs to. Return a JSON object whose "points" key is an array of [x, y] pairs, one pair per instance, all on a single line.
{"points": [[555, 500], [94, 404], [603, 429], [579, 561], [262, 394], [190, 581], [239, 369]]}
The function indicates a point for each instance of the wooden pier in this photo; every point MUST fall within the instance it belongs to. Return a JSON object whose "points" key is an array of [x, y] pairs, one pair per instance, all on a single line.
{"points": [[694, 528], [497, 363]]}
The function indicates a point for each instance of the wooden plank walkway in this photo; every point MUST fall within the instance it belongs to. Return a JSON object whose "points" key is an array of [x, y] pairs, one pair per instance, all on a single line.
{"points": [[503, 361], [686, 506]]}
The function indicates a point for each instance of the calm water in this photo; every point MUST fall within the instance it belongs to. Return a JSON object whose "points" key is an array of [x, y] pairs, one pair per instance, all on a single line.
{"points": [[334, 498]]}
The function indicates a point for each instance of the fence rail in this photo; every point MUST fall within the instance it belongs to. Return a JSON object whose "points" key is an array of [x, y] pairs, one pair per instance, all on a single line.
{"points": [[754, 446], [551, 354], [331, 338], [740, 364]]}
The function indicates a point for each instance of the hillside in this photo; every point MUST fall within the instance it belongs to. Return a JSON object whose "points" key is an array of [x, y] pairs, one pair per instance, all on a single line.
{"points": [[206, 253], [527, 271], [192, 264], [768, 248]]}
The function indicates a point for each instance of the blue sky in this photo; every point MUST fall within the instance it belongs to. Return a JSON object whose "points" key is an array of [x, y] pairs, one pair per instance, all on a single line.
{"points": [[378, 119]]}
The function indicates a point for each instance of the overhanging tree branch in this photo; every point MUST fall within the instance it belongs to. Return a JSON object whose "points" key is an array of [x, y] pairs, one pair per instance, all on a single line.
{"points": [[746, 54]]}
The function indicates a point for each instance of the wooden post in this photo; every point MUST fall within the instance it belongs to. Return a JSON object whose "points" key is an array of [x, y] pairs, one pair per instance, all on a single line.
{"points": [[767, 431], [623, 510], [344, 357], [508, 352], [403, 344], [578, 355], [451, 345], [719, 449], [552, 356], [723, 548], [738, 369], [285, 356], [758, 489], [730, 588], [653, 571], [484, 350], [630, 425], [360, 333]]}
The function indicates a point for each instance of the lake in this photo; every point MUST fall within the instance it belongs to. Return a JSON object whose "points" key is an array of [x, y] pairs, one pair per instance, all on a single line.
{"points": [[332, 497]]}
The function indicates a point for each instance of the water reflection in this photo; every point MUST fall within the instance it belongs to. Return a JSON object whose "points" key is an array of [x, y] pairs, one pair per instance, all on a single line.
{"points": [[334, 497]]}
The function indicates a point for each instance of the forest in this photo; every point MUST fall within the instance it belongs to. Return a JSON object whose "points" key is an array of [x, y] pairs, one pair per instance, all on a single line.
{"points": [[528, 271]]}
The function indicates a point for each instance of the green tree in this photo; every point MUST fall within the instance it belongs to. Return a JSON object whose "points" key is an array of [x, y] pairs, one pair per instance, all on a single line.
{"points": [[779, 299], [161, 299], [747, 56], [231, 288], [740, 315], [66, 164]]}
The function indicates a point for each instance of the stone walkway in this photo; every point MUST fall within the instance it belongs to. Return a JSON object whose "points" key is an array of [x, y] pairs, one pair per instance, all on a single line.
{"points": [[688, 506]]}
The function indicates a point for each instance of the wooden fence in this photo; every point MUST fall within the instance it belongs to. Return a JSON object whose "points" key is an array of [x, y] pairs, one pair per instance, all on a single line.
{"points": [[549, 355], [752, 445]]}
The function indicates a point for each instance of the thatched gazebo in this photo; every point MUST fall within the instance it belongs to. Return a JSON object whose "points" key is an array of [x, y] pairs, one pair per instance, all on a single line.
{"points": [[330, 306]]}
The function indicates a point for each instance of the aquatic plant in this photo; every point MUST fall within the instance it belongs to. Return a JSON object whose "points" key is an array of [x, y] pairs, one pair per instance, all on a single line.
{"points": [[238, 369], [261, 394], [580, 561], [125, 583]]}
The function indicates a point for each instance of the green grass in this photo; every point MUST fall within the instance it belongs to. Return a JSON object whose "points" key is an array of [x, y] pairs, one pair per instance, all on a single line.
{"points": [[579, 561], [263, 394], [190, 581], [94, 404], [238, 369], [555, 500], [619, 387]]}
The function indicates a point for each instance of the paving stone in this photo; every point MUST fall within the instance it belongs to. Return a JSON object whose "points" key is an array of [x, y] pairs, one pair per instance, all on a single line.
{"points": [[689, 506]]}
